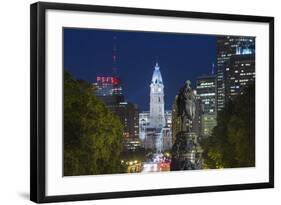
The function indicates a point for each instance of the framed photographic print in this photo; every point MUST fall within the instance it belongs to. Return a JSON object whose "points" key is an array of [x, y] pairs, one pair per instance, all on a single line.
{"points": [[129, 102]]}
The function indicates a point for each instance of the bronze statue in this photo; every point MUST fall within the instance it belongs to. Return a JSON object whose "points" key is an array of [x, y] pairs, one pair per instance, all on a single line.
{"points": [[186, 103]]}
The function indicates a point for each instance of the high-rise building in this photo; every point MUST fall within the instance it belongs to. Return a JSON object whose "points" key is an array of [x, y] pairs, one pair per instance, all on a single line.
{"points": [[228, 46], [167, 131], [239, 73], [206, 92], [155, 125], [109, 91], [128, 114], [108, 85]]}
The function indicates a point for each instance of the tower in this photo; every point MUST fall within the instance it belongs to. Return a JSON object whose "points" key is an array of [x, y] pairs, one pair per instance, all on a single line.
{"points": [[155, 124], [206, 94], [157, 115], [228, 46]]}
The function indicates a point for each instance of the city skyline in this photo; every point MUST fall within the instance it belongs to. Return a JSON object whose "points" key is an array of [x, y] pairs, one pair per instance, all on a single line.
{"points": [[89, 53], [139, 111]]}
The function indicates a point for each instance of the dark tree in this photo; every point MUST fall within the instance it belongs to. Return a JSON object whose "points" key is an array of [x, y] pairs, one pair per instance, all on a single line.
{"points": [[92, 135], [232, 143]]}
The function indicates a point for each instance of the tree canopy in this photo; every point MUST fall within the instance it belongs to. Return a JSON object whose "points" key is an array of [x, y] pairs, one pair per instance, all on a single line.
{"points": [[232, 142], [92, 134]]}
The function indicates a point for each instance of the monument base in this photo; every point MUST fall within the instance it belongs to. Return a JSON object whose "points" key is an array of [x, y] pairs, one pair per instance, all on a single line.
{"points": [[186, 152]]}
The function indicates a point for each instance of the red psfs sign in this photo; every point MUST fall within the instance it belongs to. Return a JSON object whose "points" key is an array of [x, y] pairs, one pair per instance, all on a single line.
{"points": [[108, 80]]}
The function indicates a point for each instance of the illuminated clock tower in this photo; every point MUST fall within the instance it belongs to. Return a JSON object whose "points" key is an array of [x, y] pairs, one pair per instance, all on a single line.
{"points": [[157, 115]]}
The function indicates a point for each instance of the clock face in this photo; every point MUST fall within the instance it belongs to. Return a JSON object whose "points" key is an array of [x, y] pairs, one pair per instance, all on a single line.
{"points": [[159, 89]]}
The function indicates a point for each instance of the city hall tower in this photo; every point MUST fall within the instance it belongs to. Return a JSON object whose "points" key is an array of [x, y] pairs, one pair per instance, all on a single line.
{"points": [[157, 114]]}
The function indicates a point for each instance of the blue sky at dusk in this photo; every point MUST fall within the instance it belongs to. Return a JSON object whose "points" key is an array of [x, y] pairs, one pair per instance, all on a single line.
{"points": [[88, 53]]}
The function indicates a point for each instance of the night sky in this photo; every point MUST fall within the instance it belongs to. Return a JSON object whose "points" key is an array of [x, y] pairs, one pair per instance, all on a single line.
{"points": [[89, 53]]}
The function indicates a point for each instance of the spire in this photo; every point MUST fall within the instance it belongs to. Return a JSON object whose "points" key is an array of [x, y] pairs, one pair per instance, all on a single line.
{"points": [[213, 69]]}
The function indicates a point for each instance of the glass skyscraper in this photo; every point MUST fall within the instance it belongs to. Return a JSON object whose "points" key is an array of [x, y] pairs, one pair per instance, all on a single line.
{"points": [[206, 92], [228, 46], [239, 72]]}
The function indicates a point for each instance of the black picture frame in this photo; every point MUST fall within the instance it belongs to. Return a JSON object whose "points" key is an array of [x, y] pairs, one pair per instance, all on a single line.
{"points": [[38, 101]]}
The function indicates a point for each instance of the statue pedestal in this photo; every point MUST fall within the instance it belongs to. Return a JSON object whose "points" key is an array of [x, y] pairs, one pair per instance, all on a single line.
{"points": [[186, 152]]}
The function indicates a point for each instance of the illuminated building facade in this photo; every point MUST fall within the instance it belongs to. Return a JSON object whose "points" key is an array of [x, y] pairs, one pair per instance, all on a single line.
{"points": [[206, 93], [227, 46], [132, 144], [108, 85], [128, 114], [150, 136], [167, 131], [108, 89], [240, 72]]}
